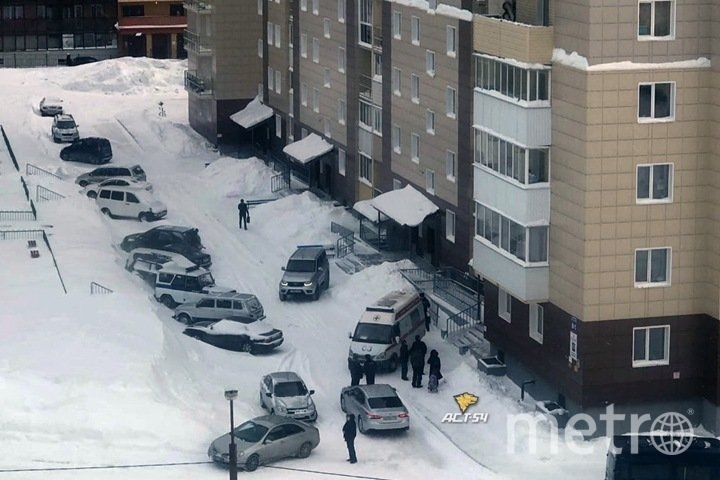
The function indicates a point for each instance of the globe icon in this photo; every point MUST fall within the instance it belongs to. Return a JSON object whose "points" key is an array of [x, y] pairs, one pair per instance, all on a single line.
{"points": [[674, 433]]}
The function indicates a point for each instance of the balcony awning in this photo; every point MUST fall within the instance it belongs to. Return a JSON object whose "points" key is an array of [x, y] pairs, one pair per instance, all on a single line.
{"points": [[365, 208], [308, 149], [152, 24], [406, 206], [253, 113]]}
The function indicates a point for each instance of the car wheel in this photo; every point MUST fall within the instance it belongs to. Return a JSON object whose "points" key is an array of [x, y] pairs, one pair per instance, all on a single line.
{"points": [[342, 404], [252, 462], [393, 363], [361, 425], [305, 450], [92, 194], [316, 294], [184, 318], [84, 184], [282, 297], [168, 301], [56, 140], [106, 211], [144, 217], [247, 347]]}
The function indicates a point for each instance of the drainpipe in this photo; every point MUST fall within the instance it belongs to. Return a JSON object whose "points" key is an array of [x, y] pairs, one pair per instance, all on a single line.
{"points": [[522, 388]]}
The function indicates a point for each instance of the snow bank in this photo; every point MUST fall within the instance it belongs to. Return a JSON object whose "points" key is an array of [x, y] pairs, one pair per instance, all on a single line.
{"points": [[579, 62], [233, 178]]}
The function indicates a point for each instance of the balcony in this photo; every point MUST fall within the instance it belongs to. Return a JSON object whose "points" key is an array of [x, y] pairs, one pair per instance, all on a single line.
{"points": [[197, 84], [525, 123], [502, 38], [197, 44], [198, 6]]}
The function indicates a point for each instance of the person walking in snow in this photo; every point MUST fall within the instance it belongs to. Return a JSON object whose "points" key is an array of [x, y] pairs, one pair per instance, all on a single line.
{"points": [[349, 433], [356, 372], [417, 361], [426, 308], [369, 369], [243, 214], [434, 374], [404, 357]]}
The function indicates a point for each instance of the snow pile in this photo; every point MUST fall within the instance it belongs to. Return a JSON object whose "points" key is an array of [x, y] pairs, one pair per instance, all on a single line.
{"points": [[577, 61], [442, 8], [233, 178]]}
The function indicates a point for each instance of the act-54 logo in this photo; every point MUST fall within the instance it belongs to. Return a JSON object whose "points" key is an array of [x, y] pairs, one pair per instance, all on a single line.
{"points": [[464, 401]]}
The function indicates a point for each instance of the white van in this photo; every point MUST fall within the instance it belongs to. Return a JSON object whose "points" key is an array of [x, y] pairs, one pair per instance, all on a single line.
{"points": [[115, 201], [397, 316]]}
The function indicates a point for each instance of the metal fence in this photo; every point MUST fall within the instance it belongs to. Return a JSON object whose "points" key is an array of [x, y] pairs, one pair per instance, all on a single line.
{"points": [[17, 215], [96, 288], [25, 187], [34, 235], [279, 182], [10, 150], [43, 194], [346, 243], [31, 169]]}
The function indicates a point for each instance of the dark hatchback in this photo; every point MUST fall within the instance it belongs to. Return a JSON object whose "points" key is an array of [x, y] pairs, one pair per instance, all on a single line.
{"points": [[93, 150], [170, 238]]}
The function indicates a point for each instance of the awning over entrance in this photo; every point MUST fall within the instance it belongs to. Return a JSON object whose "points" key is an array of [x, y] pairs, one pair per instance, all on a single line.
{"points": [[365, 208], [308, 149], [253, 113], [151, 24], [406, 206]]}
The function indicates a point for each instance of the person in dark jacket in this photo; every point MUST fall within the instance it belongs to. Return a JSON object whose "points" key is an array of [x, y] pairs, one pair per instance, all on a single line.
{"points": [[356, 372], [404, 357], [426, 308], [349, 433], [369, 369], [417, 361], [418, 343], [434, 374], [243, 214]]}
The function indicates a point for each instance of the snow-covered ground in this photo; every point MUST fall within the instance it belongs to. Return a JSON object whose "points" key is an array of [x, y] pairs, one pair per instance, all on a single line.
{"points": [[100, 380]]}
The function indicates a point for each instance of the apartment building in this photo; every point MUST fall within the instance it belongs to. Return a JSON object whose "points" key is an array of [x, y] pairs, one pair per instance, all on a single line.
{"points": [[152, 28], [224, 71], [37, 33], [596, 131]]}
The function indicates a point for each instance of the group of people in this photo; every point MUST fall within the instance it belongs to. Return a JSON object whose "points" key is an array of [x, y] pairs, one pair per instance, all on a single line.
{"points": [[359, 369], [415, 355]]}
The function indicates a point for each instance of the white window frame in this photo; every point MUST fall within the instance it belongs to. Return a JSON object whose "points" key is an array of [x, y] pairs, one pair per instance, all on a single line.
{"points": [[415, 147], [396, 136], [260, 7], [450, 165], [396, 81], [430, 181], [342, 111], [450, 220], [303, 95], [342, 162], [326, 77], [397, 24], [326, 27], [303, 5], [648, 282], [278, 81], [278, 36], [326, 129], [646, 362], [451, 41], [652, 118], [504, 305], [303, 45], [260, 46], [271, 79], [450, 102], [537, 322], [341, 59], [341, 11], [278, 126], [315, 50], [430, 121], [315, 7], [316, 100], [365, 167], [430, 62], [415, 30], [650, 36], [651, 179], [270, 33], [414, 88]]}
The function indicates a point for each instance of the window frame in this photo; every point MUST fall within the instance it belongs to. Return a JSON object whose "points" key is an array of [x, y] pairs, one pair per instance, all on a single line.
{"points": [[430, 62], [397, 24], [341, 5], [450, 102], [397, 81], [672, 101], [315, 50], [648, 283], [504, 305], [415, 30], [430, 121], [450, 225], [342, 162], [342, 111], [430, 181], [451, 41], [536, 324], [672, 20], [365, 168], [651, 179], [450, 165], [414, 147], [414, 88], [395, 135], [646, 362]]}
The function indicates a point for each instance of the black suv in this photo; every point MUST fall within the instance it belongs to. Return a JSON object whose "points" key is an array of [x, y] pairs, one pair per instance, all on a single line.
{"points": [[94, 150], [170, 238]]}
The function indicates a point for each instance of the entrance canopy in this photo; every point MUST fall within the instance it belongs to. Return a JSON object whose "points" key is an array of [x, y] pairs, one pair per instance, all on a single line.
{"points": [[405, 206], [308, 149], [254, 113]]}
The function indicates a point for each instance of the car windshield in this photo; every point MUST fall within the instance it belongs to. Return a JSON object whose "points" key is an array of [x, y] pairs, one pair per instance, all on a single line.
{"points": [[384, 402], [253, 304], [250, 432], [372, 333], [290, 389], [66, 124], [193, 238], [206, 280], [300, 266]]}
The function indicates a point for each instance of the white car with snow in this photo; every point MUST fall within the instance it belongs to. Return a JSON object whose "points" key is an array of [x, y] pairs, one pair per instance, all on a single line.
{"points": [[239, 334], [91, 190], [116, 201], [51, 106]]}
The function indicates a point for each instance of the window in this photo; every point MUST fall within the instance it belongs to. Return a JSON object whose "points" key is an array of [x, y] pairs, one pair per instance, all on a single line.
{"points": [[537, 322], [326, 78], [528, 244], [278, 81], [115, 195], [326, 27], [303, 5], [341, 11], [526, 166], [341, 162], [430, 62], [271, 78], [396, 133], [260, 90], [654, 183], [450, 165], [396, 74], [290, 131], [316, 6], [652, 267], [656, 19], [341, 59], [303, 95], [278, 34], [656, 101], [397, 24], [291, 101], [450, 102], [260, 47], [270, 33], [415, 147], [278, 126], [365, 23], [430, 122], [415, 88], [450, 225], [303, 45], [451, 41], [127, 11], [430, 181], [415, 30], [131, 198], [342, 111], [316, 100], [365, 168], [651, 346], [504, 305], [316, 50], [515, 82], [260, 7], [326, 131]]}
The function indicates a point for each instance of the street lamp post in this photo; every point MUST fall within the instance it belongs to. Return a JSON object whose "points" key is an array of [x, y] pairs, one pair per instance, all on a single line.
{"points": [[232, 395]]}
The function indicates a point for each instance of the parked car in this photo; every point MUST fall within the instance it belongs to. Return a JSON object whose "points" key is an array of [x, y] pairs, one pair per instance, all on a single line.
{"points": [[134, 172], [147, 262], [92, 189], [307, 272], [94, 150], [285, 393], [64, 128], [239, 334], [266, 439], [170, 238], [217, 307], [376, 407], [130, 203], [51, 106]]}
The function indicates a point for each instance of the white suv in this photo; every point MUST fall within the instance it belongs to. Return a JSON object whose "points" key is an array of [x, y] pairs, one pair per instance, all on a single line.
{"points": [[64, 128]]}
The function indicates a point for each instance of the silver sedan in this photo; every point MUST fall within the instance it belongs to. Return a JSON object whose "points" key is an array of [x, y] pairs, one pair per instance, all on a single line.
{"points": [[376, 407], [266, 439]]}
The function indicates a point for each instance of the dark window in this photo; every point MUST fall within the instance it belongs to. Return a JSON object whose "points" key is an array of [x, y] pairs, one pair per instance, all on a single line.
{"points": [[133, 11], [385, 402], [178, 281], [117, 196], [104, 193], [97, 10], [206, 303], [292, 429], [131, 198], [41, 12], [177, 10], [237, 305], [165, 278], [277, 433], [224, 303]]}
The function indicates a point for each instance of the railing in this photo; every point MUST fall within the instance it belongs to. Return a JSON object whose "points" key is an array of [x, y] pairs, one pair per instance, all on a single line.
{"points": [[458, 288], [10, 150], [197, 84], [196, 43], [365, 87], [199, 6], [374, 236], [377, 38], [96, 288], [346, 243], [17, 215], [279, 182], [31, 169], [467, 318], [45, 194], [417, 276], [25, 187], [52, 254], [33, 235]]}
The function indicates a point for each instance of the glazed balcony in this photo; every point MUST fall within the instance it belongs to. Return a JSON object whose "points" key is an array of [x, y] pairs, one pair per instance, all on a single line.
{"points": [[502, 38], [197, 84], [198, 6]]}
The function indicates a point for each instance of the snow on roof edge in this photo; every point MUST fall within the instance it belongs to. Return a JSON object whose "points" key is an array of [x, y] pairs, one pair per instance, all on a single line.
{"points": [[577, 61], [442, 9]]}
